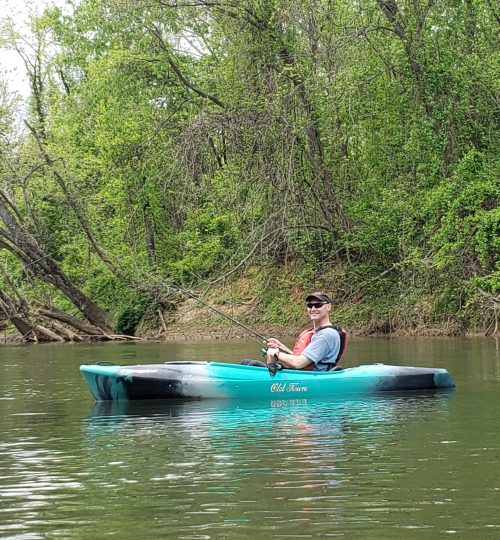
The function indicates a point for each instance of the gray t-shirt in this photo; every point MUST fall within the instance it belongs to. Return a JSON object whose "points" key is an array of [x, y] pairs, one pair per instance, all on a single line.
{"points": [[323, 349]]}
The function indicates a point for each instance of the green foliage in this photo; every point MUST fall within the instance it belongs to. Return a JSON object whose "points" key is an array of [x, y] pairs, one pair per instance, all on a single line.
{"points": [[464, 220], [207, 239], [361, 152], [129, 317]]}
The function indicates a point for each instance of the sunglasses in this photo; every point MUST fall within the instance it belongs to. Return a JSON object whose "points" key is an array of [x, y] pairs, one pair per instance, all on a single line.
{"points": [[316, 305]]}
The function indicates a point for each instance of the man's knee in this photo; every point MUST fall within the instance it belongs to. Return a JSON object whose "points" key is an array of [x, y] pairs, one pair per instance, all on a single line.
{"points": [[250, 362]]}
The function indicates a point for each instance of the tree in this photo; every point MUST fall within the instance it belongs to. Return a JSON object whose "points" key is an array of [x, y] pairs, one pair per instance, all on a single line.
{"points": [[354, 143]]}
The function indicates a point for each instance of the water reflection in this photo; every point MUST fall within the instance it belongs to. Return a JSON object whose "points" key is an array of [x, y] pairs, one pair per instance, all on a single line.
{"points": [[223, 417], [272, 465], [318, 426]]}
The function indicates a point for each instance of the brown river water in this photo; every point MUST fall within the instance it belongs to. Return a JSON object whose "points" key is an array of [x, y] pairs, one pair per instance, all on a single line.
{"points": [[412, 466]]}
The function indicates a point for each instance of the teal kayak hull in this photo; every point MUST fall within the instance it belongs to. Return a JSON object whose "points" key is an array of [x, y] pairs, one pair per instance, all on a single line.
{"points": [[198, 380]]}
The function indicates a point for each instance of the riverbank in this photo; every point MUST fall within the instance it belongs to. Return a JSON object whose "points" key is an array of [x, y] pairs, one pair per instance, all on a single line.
{"points": [[225, 333], [220, 332], [193, 323], [243, 315]]}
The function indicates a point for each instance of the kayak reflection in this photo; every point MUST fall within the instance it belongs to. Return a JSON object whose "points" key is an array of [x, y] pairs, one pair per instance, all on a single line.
{"points": [[219, 417], [256, 465]]}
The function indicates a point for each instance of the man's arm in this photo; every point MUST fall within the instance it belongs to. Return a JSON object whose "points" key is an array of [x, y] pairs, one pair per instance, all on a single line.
{"points": [[274, 343], [288, 360]]}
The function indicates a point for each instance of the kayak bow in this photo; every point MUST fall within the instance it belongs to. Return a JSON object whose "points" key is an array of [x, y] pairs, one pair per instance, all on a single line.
{"points": [[221, 380]]}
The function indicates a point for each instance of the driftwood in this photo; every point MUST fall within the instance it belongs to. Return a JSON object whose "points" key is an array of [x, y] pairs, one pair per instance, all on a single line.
{"points": [[65, 333], [48, 323], [79, 325], [46, 333], [23, 327], [33, 331], [115, 337], [162, 320]]}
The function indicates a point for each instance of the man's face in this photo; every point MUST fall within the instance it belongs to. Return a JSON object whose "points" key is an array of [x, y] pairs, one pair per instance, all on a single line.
{"points": [[317, 309]]}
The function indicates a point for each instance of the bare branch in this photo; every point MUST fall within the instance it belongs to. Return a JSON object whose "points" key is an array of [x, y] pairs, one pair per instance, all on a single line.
{"points": [[155, 31]]}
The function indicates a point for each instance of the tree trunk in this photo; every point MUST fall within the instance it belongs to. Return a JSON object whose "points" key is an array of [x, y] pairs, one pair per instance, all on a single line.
{"points": [[148, 227], [74, 201], [16, 239], [23, 328]]}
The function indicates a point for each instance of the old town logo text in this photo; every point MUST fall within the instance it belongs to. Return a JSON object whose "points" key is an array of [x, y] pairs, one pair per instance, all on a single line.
{"points": [[288, 387]]}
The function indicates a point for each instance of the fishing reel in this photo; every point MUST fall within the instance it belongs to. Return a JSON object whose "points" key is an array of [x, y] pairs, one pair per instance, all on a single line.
{"points": [[272, 363]]}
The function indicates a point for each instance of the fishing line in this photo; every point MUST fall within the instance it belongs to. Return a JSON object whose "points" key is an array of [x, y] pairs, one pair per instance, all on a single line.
{"points": [[232, 319]]}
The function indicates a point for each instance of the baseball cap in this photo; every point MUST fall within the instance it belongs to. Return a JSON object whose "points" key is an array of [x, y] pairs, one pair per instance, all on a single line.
{"points": [[320, 296]]}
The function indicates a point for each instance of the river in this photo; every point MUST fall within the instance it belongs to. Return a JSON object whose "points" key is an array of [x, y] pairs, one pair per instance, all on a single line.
{"points": [[413, 466]]}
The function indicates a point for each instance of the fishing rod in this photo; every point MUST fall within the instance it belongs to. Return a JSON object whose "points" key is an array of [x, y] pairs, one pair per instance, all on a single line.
{"points": [[228, 317]]}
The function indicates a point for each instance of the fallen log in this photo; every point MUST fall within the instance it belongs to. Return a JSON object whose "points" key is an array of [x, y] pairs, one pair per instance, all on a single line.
{"points": [[46, 334], [66, 333], [75, 322]]}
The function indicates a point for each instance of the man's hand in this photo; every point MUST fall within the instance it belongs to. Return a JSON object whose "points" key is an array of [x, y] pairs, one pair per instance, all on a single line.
{"points": [[272, 352], [274, 343]]}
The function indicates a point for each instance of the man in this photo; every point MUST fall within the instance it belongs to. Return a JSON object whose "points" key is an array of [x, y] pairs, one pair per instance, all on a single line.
{"points": [[317, 349]]}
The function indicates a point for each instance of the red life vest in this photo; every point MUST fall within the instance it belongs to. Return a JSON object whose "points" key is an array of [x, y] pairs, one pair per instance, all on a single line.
{"points": [[305, 338]]}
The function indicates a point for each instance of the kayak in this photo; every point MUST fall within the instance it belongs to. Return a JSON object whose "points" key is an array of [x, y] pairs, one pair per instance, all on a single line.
{"points": [[198, 380]]}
